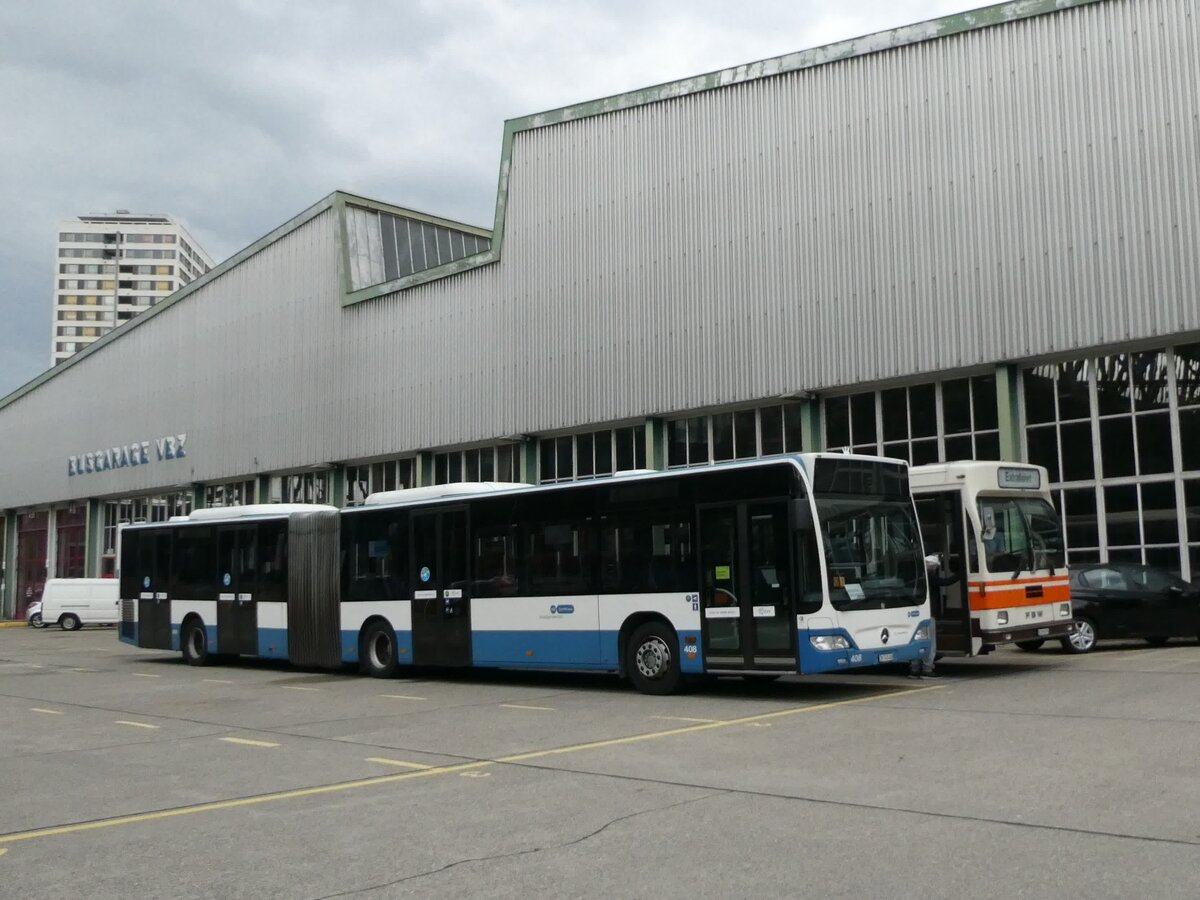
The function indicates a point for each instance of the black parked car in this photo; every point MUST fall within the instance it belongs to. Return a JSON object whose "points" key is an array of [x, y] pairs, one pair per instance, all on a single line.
{"points": [[1119, 600]]}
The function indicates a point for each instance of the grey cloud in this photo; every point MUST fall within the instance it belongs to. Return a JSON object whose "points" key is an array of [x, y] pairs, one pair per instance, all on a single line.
{"points": [[234, 116]]}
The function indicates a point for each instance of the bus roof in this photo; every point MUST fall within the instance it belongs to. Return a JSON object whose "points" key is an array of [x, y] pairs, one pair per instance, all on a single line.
{"points": [[979, 476]]}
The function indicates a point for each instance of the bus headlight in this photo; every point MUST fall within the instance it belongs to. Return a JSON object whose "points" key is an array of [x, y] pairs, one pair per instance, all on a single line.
{"points": [[1002, 618], [1064, 610], [829, 642], [921, 634]]}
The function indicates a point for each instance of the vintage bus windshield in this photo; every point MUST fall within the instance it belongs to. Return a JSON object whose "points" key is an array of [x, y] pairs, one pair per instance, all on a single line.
{"points": [[1020, 534], [873, 552]]}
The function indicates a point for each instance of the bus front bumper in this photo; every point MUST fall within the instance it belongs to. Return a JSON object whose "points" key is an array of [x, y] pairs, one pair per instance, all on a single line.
{"points": [[813, 659]]}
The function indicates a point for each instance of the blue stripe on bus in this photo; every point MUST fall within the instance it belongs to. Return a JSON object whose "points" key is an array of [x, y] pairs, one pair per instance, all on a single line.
{"points": [[127, 633], [813, 660], [403, 647], [565, 650], [273, 643], [544, 649]]}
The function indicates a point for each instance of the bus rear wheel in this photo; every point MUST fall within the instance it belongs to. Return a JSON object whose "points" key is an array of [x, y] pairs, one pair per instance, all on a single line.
{"points": [[193, 643], [652, 659], [378, 654]]}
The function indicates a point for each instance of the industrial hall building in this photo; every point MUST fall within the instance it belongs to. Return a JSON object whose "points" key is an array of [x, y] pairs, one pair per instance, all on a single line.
{"points": [[977, 236]]}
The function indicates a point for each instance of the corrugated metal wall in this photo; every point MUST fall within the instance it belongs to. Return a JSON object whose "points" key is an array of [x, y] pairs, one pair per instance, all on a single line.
{"points": [[1010, 192], [243, 366]]}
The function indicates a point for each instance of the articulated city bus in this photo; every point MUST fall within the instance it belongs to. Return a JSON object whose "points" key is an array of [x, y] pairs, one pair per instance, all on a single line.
{"points": [[808, 563], [1002, 560]]}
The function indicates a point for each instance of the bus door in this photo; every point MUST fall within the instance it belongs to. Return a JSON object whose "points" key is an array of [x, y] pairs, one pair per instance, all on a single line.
{"points": [[154, 604], [441, 595], [942, 531], [237, 613], [746, 587]]}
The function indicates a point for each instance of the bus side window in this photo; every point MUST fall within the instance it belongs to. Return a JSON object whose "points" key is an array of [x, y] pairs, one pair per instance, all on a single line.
{"points": [[131, 576], [556, 559], [495, 562], [972, 549], [272, 561]]}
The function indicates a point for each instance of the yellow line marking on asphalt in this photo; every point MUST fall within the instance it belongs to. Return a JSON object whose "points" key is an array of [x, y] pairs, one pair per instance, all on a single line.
{"points": [[216, 681], [474, 774], [49, 712], [135, 724], [424, 773], [519, 706], [396, 762], [296, 687], [248, 742], [684, 719], [145, 675], [401, 697]]}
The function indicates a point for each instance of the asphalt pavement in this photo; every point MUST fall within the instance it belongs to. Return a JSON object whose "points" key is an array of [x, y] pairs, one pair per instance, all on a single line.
{"points": [[129, 774]]}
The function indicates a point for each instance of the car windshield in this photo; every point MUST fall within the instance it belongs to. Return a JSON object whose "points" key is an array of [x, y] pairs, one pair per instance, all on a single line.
{"points": [[872, 552], [1020, 534]]}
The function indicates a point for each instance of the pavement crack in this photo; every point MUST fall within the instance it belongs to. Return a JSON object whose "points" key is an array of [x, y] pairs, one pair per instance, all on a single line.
{"points": [[527, 851]]}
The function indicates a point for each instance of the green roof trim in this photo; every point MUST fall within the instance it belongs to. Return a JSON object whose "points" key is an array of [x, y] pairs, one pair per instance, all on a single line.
{"points": [[907, 35]]}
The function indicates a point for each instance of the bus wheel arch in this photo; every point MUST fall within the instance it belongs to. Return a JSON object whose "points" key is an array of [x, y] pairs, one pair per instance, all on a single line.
{"points": [[649, 653], [193, 641], [378, 654]]}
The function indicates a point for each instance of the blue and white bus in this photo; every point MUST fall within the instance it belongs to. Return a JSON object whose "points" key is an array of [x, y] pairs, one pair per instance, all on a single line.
{"points": [[807, 563]]}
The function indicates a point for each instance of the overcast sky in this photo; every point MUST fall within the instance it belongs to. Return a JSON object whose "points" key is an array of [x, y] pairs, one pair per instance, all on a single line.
{"points": [[234, 116]]}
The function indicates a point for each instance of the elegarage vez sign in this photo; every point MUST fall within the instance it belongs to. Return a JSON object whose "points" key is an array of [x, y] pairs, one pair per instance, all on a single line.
{"points": [[139, 453]]}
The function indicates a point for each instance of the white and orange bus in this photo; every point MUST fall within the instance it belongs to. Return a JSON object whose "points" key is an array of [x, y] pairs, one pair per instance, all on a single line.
{"points": [[1001, 555]]}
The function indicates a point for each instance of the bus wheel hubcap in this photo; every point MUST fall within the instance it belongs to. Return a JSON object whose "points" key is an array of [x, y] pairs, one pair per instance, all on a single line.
{"points": [[381, 651], [654, 658]]}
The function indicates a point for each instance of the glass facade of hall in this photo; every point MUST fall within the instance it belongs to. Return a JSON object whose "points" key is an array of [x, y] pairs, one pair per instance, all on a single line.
{"points": [[1120, 437]]}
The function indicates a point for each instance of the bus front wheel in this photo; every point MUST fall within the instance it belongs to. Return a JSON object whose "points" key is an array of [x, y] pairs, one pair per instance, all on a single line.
{"points": [[652, 659], [378, 654]]}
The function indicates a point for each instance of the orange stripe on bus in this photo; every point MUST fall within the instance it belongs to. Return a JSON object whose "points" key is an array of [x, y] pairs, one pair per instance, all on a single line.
{"points": [[1008, 599]]}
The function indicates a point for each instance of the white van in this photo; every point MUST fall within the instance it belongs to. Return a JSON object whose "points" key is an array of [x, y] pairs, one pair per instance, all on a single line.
{"points": [[75, 602]]}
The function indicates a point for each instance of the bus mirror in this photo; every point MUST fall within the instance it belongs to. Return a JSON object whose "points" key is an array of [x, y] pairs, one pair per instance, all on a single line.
{"points": [[801, 514], [932, 563]]}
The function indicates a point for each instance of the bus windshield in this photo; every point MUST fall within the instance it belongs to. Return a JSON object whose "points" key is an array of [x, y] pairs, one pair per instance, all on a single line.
{"points": [[1020, 534], [872, 552]]}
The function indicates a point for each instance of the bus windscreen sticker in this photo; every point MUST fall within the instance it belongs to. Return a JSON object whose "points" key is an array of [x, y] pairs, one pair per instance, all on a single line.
{"points": [[227, 580], [855, 591], [721, 573], [424, 573]]}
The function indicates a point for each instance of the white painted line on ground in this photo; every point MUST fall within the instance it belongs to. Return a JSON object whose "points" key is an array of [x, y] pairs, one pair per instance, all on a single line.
{"points": [[382, 760], [401, 697], [295, 687], [216, 681], [247, 742], [475, 774], [48, 712], [521, 706], [135, 724], [684, 719], [145, 675], [83, 670]]}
